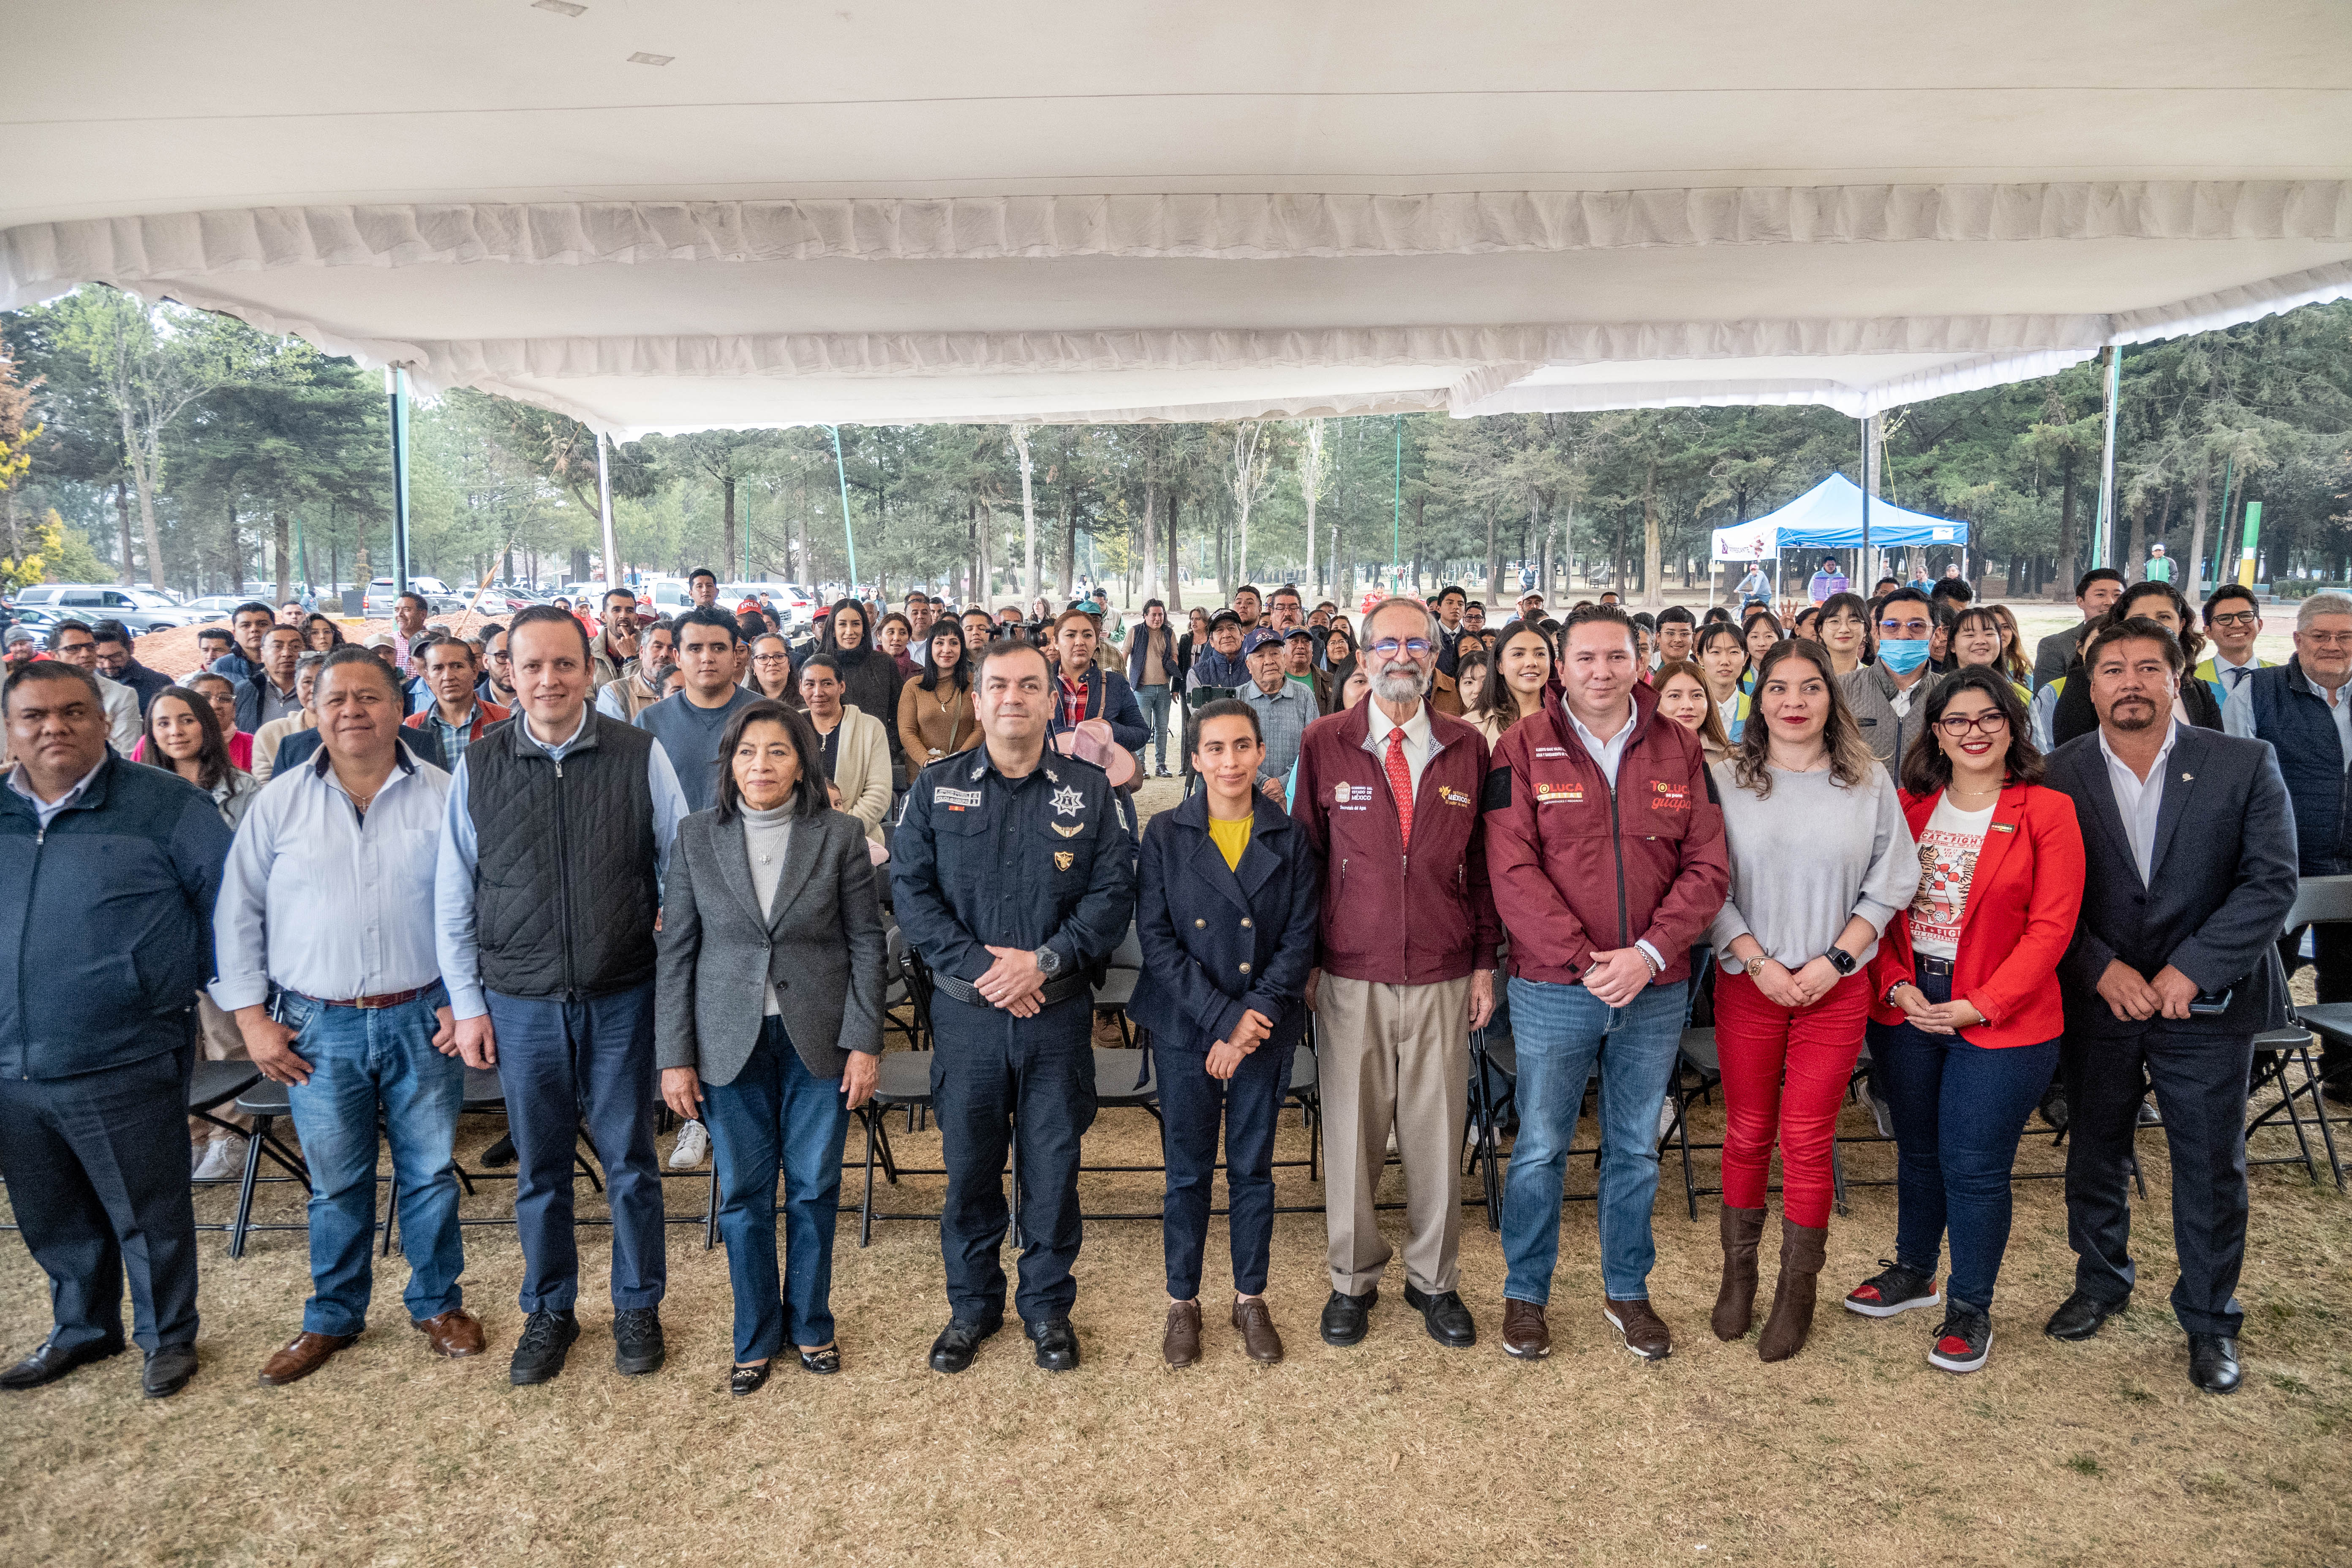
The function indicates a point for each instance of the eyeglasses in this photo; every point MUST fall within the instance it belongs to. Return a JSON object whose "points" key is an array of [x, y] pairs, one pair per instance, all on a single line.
{"points": [[2237, 618], [1388, 647], [1903, 629], [2326, 639], [770, 657], [1958, 724], [500, 656]]}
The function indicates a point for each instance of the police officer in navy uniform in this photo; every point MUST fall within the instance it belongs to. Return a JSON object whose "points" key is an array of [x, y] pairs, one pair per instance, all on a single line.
{"points": [[1015, 879]]}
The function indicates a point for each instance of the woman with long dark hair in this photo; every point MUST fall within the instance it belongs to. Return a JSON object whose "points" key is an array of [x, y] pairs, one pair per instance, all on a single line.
{"points": [[1722, 657], [1820, 860], [1683, 697], [321, 634], [1844, 628], [1521, 670], [770, 672], [1339, 651], [934, 713], [183, 735], [1966, 1011], [768, 1020], [1758, 634], [1977, 643], [869, 677]]}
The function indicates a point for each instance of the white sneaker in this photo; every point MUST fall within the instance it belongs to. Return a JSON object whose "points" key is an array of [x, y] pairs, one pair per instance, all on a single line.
{"points": [[1666, 1116], [693, 1147], [220, 1161]]}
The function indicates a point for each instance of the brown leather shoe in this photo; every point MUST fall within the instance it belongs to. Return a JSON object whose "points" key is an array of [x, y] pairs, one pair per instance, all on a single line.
{"points": [[1257, 1326], [454, 1334], [1180, 1344], [1802, 1252], [1646, 1334], [300, 1357], [1734, 1303], [1525, 1333]]}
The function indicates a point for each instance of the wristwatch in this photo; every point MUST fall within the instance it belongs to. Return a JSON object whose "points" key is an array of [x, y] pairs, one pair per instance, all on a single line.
{"points": [[1049, 962], [1841, 960]]}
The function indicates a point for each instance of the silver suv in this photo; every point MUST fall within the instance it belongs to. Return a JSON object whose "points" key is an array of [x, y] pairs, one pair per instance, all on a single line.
{"points": [[139, 609]]}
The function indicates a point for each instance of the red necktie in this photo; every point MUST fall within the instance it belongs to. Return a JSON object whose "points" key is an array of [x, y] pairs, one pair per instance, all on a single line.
{"points": [[1400, 785]]}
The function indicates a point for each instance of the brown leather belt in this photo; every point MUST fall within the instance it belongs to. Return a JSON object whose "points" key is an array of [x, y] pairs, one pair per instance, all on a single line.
{"points": [[389, 999]]}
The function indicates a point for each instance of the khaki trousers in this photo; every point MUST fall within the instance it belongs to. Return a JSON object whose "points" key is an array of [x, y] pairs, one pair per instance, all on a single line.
{"points": [[221, 1041], [1394, 1055]]}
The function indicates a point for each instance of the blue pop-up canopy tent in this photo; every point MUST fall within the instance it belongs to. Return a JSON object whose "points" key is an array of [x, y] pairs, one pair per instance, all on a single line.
{"points": [[1829, 517]]}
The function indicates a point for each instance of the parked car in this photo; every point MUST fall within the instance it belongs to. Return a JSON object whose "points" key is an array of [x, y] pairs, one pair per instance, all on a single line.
{"points": [[214, 606], [140, 609]]}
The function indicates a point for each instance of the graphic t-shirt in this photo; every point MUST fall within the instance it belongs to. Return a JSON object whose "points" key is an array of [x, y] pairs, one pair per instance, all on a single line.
{"points": [[1949, 847]]}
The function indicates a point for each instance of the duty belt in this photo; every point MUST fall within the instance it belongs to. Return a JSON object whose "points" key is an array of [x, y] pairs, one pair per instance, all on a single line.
{"points": [[1061, 988]]}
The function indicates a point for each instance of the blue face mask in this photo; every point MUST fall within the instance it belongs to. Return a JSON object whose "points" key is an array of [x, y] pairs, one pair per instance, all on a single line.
{"points": [[1903, 657]]}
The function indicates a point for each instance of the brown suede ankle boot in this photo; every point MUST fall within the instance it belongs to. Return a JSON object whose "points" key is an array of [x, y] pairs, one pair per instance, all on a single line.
{"points": [[1802, 1255], [1735, 1304]]}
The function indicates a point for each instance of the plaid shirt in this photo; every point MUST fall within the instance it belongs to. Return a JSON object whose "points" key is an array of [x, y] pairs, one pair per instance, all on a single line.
{"points": [[1284, 714], [456, 738]]}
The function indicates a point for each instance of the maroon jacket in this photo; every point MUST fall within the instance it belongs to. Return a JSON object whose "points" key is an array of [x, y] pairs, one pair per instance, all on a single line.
{"points": [[1386, 916], [1581, 866]]}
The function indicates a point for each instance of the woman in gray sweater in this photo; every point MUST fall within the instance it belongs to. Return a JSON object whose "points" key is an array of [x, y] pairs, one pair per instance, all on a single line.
{"points": [[768, 1020], [1821, 858]]}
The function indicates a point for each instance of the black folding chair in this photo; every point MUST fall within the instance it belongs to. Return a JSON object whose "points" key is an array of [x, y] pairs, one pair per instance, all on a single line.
{"points": [[265, 1102], [2319, 900]]}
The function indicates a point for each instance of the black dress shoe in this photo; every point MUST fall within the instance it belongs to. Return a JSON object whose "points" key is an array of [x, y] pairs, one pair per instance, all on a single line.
{"points": [[958, 1343], [637, 1344], [824, 1363], [2078, 1317], [2213, 1362], [743, 1380], [169, 1367], [1346, 1317], [1448, 1320], [501, 1153], [540, 1349], [49, 1364], [1056, 1343]]}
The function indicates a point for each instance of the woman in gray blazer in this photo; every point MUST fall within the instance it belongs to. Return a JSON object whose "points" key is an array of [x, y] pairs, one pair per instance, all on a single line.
{"points": [[768, 1020]]}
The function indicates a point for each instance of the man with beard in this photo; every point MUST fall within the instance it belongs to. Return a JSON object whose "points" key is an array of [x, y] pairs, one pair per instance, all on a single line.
{"points": [[2173, 970], [643, 680], [1389, 792]]}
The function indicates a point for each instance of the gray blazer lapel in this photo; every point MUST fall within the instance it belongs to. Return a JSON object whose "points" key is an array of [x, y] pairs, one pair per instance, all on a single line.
{"points": [[725, 841], [802, 852]]}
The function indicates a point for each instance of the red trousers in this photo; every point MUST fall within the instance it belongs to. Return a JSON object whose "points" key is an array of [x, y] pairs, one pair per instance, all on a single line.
{"points": [[1784, 1075]]}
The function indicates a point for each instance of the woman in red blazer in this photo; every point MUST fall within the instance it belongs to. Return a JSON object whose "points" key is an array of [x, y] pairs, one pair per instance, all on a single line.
{"points": [[1965, 1024]]}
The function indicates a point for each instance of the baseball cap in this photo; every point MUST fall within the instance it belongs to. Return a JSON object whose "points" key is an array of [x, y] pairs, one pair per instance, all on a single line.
{"points": [[1223, 617], [1260, 638], [1306, 632]]}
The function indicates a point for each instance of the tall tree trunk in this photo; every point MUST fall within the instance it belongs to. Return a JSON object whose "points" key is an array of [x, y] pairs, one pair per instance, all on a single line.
{"points": [[1311, 477], [283, 539], [1069, 546], [1494, 551], [1028, 516], [142, 475], [128, 573], [1150, 541], [2194, 586], [2069, 559], [1175, 578], [1653, 582], [231, 553], [729, 562]]}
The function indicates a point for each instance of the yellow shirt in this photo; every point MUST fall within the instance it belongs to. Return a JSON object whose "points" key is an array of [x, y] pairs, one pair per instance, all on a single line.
{"points": [[1231, 837]]}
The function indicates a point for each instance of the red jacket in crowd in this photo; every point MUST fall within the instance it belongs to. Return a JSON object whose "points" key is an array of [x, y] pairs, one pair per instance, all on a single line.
{"points": [[486, 713], [1582, 868], [1370, 883], [2024, 896]]}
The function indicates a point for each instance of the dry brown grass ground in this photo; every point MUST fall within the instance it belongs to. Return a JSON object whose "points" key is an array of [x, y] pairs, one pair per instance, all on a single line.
{"points": [[1396, 1451]]}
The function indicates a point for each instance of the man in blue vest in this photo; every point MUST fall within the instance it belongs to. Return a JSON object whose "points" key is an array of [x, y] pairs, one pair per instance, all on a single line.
{"points": [[2303, 708]]}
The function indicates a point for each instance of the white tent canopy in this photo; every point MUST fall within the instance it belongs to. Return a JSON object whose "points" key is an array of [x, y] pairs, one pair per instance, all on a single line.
{"points": [[930, 211]]}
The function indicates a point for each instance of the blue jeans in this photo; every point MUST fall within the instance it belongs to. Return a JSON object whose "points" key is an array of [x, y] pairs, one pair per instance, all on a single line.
{"points": [[1193, 1105], [776, 1115], [1153, 700], [566, 1065], [364, 1060], [1562, 1033], [1959, 1110]]}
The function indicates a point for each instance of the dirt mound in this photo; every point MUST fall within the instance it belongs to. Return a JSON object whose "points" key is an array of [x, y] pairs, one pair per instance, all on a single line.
{"points": [[173, 651]]}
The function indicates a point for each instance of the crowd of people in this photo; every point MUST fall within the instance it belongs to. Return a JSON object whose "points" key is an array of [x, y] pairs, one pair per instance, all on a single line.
{"points": [[628, 862]]}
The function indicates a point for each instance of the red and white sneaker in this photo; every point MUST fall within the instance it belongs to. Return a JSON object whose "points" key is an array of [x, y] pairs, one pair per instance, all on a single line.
{"points": [[1893, 1288], [1965, 1340]]}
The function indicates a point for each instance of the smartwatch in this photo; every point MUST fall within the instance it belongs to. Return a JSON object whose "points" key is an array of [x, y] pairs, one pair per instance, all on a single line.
{"points": [[1841, 960]]}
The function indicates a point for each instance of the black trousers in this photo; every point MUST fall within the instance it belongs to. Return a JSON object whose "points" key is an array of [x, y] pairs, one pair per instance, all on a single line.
{"points": [[97, 1174], [1001, 1083], [2200, 1089]]}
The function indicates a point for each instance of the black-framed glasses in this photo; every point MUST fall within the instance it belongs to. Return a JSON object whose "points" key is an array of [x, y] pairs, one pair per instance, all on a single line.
{"points": [[1990, 722], [2237, 618]]}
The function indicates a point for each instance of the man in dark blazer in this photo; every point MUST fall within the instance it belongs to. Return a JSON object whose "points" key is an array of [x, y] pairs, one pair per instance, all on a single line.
{"points": [[109, 871], [2098, 590], [2173, 970]]}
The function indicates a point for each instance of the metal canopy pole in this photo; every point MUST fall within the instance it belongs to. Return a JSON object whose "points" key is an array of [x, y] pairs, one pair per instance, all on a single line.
{"points": [[395, 385], [1862, 561], [605, 512], [2103, 534], [847, 539]]}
